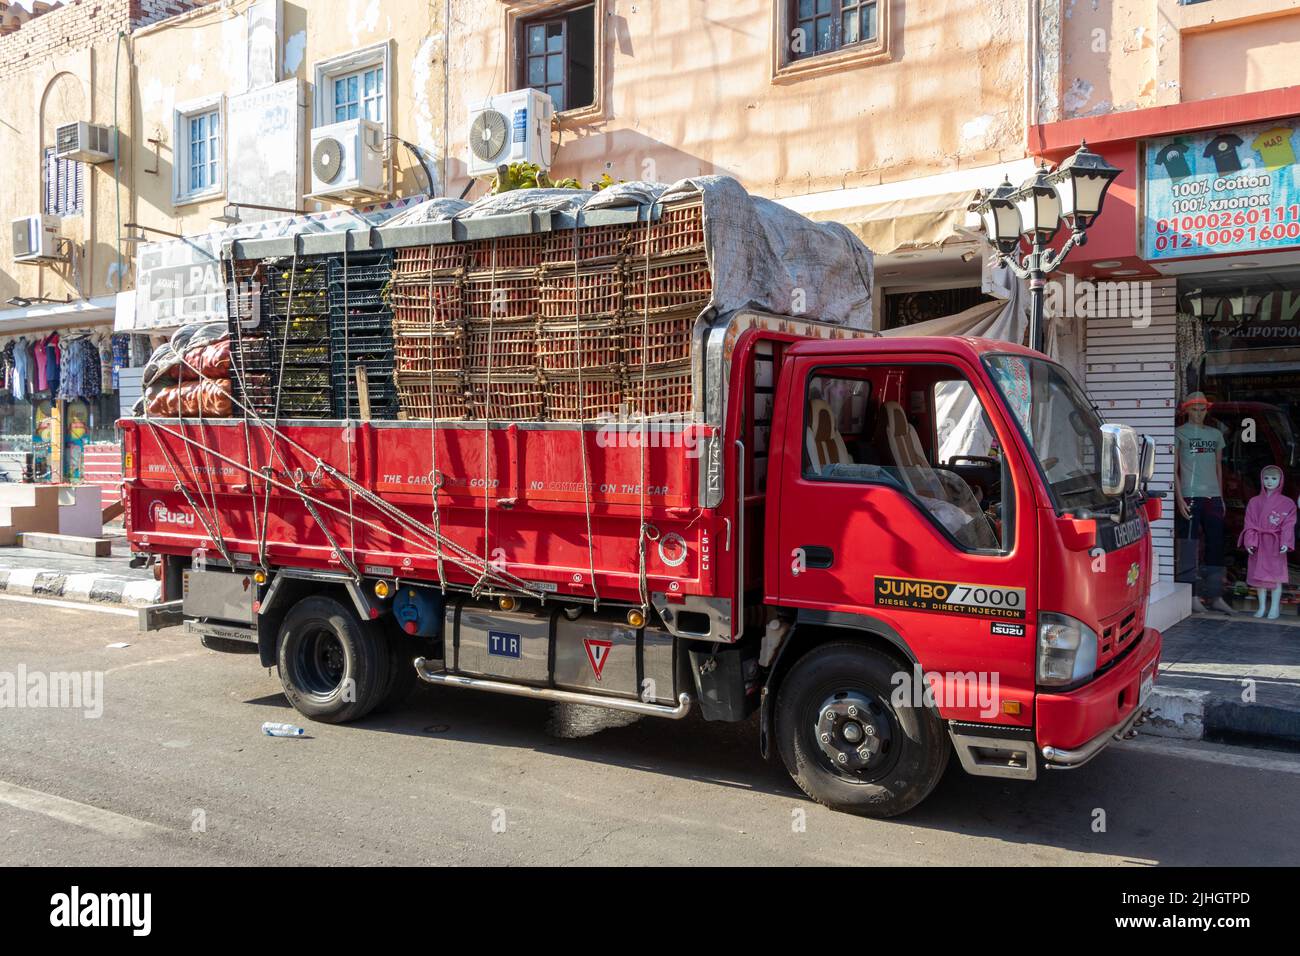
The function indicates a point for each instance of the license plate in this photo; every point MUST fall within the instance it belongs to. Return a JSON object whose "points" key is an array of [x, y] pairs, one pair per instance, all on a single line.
{"points": [[1148, 682]]}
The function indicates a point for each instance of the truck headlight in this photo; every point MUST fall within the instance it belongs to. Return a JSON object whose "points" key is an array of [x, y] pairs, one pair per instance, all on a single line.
{"points": [[1067, 649]]}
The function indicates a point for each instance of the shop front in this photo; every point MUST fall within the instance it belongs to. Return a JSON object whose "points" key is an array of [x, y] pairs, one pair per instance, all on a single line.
{"points": [[60, 370], [1207, 216]]}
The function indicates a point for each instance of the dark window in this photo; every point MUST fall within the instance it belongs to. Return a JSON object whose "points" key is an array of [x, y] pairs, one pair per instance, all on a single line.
{"points": [[62, 185], [920, 430], [558, 56], [821, 26]]}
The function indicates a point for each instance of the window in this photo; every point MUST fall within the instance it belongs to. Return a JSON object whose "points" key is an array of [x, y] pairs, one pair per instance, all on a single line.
{"points": [[63, 186], [360, 94], [823, 26], [199, 167], [205, 151], [920, 430], [557, 55], [354, 86]]}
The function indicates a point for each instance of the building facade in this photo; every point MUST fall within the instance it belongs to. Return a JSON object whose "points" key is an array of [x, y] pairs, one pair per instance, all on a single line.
{"points": [[1199, 251], [62, 266]]}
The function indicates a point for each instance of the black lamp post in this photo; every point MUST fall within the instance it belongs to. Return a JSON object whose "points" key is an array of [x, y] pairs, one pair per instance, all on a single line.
{"points": [[1073, 193]]}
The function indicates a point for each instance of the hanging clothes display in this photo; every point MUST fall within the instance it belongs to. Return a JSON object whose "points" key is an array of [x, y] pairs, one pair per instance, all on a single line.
{"points": [[21, 359]]}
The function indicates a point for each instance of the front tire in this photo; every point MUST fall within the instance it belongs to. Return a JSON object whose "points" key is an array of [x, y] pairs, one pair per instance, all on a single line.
{"points": [[846, 743], [334, 667]]}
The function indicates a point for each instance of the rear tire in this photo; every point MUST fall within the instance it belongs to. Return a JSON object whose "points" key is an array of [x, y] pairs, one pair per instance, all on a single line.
{"points": [[402, 652], [334, 667], [846, 744]]}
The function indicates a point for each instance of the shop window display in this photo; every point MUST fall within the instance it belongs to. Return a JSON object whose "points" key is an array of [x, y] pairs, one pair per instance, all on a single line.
{"points": [[1237, 456]]}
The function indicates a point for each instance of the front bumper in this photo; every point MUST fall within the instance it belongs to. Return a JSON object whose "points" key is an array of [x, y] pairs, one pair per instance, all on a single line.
{"points": [[1074, 727]]}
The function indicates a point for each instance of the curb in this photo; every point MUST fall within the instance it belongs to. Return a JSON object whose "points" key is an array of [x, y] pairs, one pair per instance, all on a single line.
{"points": [[88, 588], [1196, 714]]}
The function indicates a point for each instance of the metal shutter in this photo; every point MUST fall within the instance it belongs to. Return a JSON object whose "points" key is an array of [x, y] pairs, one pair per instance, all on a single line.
{"points": [[1130, 375]]}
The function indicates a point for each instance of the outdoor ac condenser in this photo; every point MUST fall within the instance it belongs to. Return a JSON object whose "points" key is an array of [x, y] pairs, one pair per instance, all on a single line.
{"points": [[84, 142], [347, 159], [511, 128], [36, 238]]}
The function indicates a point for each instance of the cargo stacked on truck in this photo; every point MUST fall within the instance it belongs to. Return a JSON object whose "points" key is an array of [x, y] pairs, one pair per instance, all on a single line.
{"points": [[639, 449]]}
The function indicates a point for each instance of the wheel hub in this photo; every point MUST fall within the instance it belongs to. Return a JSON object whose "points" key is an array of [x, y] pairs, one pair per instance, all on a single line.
{"points": [[850, 732]]}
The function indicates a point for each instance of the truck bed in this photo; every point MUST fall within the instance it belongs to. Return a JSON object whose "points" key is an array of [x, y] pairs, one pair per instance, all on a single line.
{"points": [[511, 502]]}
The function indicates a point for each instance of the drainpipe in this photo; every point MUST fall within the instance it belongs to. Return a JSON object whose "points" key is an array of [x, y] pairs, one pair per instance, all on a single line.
{"points": [[1033, 75]]}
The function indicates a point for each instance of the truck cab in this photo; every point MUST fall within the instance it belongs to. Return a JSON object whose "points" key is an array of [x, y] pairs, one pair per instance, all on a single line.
{"points": [[959, 550]]}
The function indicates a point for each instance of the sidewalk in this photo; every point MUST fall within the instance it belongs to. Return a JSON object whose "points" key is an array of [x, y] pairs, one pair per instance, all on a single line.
{"points": [[98, 580], [1211, 666]]}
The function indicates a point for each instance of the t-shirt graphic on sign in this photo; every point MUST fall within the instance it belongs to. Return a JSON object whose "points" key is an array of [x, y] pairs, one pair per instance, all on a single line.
{"points": [[1223, 150], [1275, 148], [1173, 158], [1198, 457]]}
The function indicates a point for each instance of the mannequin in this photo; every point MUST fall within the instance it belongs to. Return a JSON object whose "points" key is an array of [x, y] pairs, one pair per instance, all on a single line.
{"points": [[1268, 535], [1198, 495]]}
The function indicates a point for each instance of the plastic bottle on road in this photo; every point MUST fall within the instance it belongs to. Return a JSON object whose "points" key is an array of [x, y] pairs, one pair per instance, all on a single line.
{"points": [[281, 730]]}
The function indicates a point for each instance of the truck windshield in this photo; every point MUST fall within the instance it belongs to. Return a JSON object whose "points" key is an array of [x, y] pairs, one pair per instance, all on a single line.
{"points": [[1060, 425]]}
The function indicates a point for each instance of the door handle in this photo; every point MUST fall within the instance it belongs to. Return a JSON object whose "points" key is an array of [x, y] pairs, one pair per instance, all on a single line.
{"points": [[817, 556]]}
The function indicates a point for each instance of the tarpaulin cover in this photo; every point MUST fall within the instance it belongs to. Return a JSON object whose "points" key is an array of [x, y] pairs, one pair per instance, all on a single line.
{"points": [[439, 209], [762, 255]]}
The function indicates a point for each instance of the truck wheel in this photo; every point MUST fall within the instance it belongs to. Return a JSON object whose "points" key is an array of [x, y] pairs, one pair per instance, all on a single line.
{"points": [[846, 744], [333, 665]]}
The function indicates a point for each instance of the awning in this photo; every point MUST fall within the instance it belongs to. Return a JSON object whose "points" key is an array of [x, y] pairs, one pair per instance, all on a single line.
{"points": [[916, 213], [57, 315], [903, 224]]}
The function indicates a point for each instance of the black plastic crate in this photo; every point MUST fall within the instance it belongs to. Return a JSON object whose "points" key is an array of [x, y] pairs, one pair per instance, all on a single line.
{"points": [[303, 278], [361, 344], [352, 297], [361, 268], [361, 324]]}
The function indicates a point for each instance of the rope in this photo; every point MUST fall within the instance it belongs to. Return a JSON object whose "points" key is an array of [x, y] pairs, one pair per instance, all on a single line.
{"points": [[582, 427], [347, 408], [243, 379], [435, 478], [642, 583], [487, 411]]}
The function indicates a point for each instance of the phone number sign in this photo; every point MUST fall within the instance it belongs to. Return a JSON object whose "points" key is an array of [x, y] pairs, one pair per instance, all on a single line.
{"points": [[1222, 191]]}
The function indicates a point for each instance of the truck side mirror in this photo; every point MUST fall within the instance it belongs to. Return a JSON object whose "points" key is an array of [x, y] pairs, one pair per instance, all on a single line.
{"points": [[1120, 460], [1147, 468]]}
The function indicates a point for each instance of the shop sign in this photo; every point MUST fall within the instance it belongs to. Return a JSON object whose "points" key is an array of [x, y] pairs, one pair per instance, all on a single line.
{"points": [[1223, 191]]}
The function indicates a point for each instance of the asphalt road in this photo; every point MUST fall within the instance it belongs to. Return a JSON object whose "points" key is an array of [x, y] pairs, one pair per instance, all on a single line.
{"points": [[176, 771]]}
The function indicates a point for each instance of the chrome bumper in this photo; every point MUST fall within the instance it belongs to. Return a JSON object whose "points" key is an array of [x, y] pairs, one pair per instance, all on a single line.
{"points": [[1057, 758]]}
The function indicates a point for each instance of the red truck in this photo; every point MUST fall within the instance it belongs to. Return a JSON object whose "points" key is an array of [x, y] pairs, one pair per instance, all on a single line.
{"points": [[817, 545]]}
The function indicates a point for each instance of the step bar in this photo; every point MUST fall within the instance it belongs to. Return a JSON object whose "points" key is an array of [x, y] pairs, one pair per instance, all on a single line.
{"points": [[428, 671]]}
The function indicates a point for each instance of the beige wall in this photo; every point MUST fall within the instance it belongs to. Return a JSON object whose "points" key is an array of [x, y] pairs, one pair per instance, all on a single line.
{"points": [[201, 54], [1123, 55], [42, 91], [688, 88]]}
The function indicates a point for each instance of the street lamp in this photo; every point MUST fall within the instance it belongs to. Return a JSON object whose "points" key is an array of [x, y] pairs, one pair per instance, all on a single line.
{"points": [[1245, 305], [1074, 192], [1203, 304]]}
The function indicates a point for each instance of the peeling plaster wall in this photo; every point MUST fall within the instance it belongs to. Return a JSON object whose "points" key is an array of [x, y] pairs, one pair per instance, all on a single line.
{"points": [[59, 68], [1120, 55], [688, 89], [206, 54]]}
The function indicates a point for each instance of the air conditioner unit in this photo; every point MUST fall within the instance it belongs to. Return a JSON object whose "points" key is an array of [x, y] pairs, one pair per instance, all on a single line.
{"points": [[36, 239], [347, 159], [84, 142], [511, 128]]}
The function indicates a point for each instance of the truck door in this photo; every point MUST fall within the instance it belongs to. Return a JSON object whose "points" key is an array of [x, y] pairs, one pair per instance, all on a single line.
{"points": [[899, 502]]}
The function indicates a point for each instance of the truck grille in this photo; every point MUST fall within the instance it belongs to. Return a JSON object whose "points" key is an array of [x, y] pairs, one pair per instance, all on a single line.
{"points": [[1118, 635]]}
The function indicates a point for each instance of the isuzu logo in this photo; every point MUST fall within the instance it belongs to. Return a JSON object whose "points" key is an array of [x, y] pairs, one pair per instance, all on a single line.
{"points": [[162, 515]]}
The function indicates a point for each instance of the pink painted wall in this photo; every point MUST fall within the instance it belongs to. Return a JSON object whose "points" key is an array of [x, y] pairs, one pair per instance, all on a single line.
{"points": [[689, 89]]}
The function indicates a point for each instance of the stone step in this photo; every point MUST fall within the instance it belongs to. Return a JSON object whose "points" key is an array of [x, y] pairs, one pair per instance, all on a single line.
{"points": [[66, 544]]}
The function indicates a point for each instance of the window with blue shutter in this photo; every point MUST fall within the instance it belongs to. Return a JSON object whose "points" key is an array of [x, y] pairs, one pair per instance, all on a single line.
{"points": [[63, 186]]}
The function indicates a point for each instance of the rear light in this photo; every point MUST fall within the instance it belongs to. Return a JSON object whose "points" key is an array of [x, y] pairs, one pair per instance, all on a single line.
{"points": [[1067, 650]]}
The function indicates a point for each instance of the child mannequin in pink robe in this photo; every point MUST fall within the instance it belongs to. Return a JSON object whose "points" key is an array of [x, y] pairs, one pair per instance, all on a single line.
{"points": [[1268, 535]]}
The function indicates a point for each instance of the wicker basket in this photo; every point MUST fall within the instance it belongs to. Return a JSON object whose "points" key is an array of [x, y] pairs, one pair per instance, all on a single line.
{"points": [[569, 399], [425, 397], [512, 398], [678, 231], [666, 390], [421, 305], [421, 261], [501, 346], [581, 292], [657, 339], [504, 254], [668, 285], [440, 352], [591, 244], [505, 295]]}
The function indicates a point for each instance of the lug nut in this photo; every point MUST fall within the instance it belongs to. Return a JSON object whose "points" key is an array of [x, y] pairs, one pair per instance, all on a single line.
{"points": [[842, 758], [826, 738], [869, 730], [853, 711]]}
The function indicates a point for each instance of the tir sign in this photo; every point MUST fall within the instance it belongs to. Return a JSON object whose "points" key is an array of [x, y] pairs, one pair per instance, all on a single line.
{"points": [[501, 644]]}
